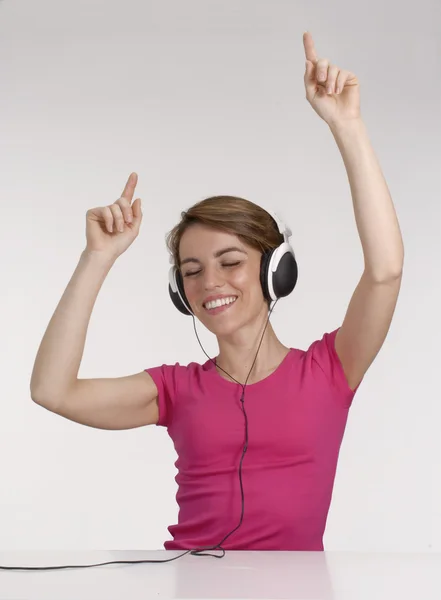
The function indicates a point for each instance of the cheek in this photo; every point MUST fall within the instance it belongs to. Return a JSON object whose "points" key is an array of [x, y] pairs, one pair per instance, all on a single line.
{"points": [[190, 288], [248, 283], [243, 277]]}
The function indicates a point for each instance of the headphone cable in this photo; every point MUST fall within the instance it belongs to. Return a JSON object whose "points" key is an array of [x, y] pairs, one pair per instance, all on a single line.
{"points": [[197, 552]]}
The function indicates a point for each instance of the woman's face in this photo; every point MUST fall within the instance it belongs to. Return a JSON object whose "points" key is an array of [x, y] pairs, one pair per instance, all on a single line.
{"points": [[221, 278]]}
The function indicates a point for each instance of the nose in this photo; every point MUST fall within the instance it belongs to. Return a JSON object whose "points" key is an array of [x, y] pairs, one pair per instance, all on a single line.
{"points": [[212, 278]]}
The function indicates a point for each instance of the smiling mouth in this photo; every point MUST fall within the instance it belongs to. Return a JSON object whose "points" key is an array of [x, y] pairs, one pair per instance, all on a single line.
{"points": [[217, 306]]}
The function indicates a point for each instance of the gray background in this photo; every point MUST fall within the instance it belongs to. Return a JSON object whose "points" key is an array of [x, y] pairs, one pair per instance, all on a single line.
{"points": [[202, 98]]}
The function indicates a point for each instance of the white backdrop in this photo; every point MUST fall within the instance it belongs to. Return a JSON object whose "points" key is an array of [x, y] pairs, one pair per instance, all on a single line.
{"points": [[203, 98]]}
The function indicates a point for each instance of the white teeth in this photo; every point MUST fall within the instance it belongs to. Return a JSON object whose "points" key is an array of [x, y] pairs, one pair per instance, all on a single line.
{"points": [[220, 302]]}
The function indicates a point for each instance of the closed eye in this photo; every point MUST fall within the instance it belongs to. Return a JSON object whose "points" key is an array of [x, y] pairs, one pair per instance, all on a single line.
{"points": [[193, 273]]}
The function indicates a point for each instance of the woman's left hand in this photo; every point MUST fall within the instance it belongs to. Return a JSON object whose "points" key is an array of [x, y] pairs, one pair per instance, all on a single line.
{"points": [[333, 93]]}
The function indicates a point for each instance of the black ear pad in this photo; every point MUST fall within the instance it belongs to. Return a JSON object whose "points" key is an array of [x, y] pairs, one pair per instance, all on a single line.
{"points": [[264, 263], [284, 279], [183, 307]]}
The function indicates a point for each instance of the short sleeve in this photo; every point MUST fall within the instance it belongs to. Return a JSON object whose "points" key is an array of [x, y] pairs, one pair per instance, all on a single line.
{"points": [[324, 354], [166, 380]]}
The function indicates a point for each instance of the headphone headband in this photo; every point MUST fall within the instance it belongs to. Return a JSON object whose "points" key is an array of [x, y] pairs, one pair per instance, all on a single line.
{"points": [[281, 226]]}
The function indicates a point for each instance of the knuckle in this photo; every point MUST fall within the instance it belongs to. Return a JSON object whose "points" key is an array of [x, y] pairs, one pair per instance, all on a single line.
{"points": [[122, 201], [127, 212], [116, 211]]}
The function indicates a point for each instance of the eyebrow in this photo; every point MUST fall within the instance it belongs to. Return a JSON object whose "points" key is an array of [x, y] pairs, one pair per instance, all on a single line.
{"points": [[216, 254]]}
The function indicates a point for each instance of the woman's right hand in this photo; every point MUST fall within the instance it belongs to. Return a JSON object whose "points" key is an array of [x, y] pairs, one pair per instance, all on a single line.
{"points": [[111, 229]]}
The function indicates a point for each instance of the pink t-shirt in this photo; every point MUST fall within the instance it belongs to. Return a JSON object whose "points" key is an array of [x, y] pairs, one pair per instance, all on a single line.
{"points": [[296, 421]]}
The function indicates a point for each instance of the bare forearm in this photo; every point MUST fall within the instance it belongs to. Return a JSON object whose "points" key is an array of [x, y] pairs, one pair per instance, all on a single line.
{"points": [[374, 211], [59, 356]]}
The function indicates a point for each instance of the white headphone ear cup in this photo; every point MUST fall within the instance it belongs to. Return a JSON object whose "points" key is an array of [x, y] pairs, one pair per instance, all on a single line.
{"points": [[172, 279], [176, 291]]}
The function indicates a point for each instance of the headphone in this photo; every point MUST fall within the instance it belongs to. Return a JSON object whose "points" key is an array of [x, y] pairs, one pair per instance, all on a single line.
{"points": [[278, 272]]}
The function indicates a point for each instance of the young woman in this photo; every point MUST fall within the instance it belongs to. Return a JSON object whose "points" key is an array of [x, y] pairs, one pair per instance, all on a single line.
{"points": [[257, 430]]}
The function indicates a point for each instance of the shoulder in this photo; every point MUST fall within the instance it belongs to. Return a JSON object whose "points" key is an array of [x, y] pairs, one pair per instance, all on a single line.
{"points": [[319, 349], [322, 366], [174, 376], [179, 370], [172, 381], [323, 347]]}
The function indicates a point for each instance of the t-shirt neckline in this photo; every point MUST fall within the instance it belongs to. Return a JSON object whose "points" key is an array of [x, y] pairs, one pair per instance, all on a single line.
{"points": [[210, 368]]}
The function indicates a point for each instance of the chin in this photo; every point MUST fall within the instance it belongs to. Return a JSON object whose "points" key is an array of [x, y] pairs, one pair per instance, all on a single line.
{"points": [[223, 330], [220, 327]]}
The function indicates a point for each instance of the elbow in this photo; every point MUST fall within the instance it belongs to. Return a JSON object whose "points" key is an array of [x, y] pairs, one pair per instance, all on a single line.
{"points": [[388, 275], [37, 397], [43, 399]]}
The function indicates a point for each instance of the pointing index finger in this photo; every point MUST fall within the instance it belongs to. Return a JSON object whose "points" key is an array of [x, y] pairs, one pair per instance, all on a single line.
{"points": [[129, 189], [308, 44]]}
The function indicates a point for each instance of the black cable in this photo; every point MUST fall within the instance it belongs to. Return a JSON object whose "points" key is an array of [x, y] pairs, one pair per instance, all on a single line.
{"points": [[219, 545], [197, 551]]}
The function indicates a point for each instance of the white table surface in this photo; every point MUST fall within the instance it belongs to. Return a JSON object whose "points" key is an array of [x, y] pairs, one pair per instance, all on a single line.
{"points": [[253, 575]]}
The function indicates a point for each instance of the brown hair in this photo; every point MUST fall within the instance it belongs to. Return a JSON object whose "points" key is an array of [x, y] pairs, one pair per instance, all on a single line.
{"points": [[252, 224]]}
